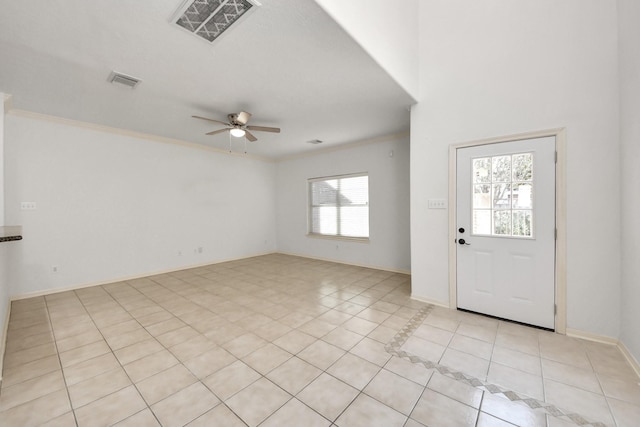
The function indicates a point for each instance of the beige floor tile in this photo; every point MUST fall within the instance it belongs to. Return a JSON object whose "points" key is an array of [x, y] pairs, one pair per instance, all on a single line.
{"points": [[267, 358], [457, 390], [21, 357], [271, 331], [411, 371], [626, 389], [185, 405], [111, 408], [144, 418], [230, 380], [126, 339], [625, 414], [472, 346], [590, 405], [150, 365], [90, 368], [256, 402], [581, 378], [294, 374], [151, 320], [436, 409], [486, 420], [30, 370], [244, 345], [37, 411], [360, 326], [78, 340], [518, 381], [434, 334], [218, 416], [209, 362], [354, 370], [18, 343], [515, 413], [394, 391], [465, 363], [321, 354], [86, 352], [484, 333], [137, 351], [97, 387], [382, 334], [177, 336], [165, 383], [295, 413], [517, 360], [294, 341], [371, 350], [342, 338], [32, 389], [368, 412], [424, 349], [191, 348], [64, 420], [317, 328], [328, 396]]}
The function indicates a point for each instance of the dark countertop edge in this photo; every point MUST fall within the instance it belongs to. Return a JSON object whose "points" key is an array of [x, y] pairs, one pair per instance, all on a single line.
{"points": [[10, 238]]}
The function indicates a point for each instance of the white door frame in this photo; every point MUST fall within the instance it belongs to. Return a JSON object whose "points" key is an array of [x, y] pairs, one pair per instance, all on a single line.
{"points": [[561, 217]]}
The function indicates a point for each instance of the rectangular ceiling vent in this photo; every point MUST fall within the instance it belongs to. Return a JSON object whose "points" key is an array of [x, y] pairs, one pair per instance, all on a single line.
{"points": [[123, 79], [210, 18]]}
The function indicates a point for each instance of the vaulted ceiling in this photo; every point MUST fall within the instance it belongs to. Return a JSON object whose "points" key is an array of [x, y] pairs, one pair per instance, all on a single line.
{"points": [[286, 62]]}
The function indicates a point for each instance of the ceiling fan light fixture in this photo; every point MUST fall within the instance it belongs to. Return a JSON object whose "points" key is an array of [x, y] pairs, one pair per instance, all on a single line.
{"points": [[237, 132]]}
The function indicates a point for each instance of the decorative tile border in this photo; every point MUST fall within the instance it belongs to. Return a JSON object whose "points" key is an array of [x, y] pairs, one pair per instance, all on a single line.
{"points": [[393, 348]]}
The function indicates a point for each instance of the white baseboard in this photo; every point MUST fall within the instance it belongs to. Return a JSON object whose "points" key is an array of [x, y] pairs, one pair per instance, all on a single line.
{"points": [[122, 279], [632, 360], [607, 340], [430, 301], [603, 339], [374, 267]]}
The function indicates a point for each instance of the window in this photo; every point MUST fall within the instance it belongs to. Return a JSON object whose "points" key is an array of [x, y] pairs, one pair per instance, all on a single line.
{"points": [[339, 206], [503, 195]]}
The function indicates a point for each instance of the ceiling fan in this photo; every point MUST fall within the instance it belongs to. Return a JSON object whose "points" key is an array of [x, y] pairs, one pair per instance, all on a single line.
{"points": [[238, 127]]}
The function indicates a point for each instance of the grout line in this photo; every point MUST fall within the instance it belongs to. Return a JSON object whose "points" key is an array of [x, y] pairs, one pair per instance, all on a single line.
{"points": [[394, 348]]}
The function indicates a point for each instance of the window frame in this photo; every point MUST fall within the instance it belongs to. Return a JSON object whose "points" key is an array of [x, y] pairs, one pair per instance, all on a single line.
{"points": [[310, 207]]}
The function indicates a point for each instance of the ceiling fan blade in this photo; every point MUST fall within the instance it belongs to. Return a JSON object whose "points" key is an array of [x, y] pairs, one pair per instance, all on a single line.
{"points": [[264, 129], [210, 120], [250, 136], [216, 131], [243, 117]]}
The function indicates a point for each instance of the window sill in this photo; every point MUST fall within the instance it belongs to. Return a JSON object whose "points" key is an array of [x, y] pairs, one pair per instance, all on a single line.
{"points": [[343, 238]]}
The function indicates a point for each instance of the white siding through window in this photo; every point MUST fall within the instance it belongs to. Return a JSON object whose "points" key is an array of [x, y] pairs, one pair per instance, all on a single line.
{"points": [[339, 206]]}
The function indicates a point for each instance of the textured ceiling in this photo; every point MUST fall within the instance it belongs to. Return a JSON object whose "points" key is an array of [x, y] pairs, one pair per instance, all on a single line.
{"points": [[286, 62]]}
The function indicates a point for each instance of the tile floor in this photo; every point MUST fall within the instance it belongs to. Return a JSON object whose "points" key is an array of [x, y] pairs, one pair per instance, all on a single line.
{"points": [[286, 341]]}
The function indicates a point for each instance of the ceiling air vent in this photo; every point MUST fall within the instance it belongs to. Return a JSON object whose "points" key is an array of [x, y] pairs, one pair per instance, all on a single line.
{"points": [[123, 79], [314, 141], [210, 18]]}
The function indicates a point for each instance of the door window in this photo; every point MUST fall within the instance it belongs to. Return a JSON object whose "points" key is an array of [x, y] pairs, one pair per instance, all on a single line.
{"points": [[502, 201]]}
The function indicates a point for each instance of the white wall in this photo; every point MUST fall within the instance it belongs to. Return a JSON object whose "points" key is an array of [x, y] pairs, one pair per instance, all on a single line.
{"points": [[111, 206], [4, 247], [629, 16], [388, 31], [499, 67], [389, 246]]}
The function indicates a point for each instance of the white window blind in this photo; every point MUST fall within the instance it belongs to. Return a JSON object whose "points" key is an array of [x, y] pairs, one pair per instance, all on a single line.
{"points": [[339, 206]]}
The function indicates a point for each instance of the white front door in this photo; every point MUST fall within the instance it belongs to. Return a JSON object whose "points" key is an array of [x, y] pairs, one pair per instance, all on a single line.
{"points": [[506, 230]]}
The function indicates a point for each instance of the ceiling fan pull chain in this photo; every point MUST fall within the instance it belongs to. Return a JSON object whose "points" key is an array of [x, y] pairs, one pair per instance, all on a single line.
{"points": [[230, 151], [245, 144]]}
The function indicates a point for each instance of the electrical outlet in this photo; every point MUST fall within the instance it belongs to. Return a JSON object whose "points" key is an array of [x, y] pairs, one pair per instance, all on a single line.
{"points": [[437, 204], [27, 206]]}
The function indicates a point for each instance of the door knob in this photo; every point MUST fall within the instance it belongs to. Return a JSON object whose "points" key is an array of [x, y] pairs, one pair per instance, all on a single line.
{"points": [[460, 230], [463, 242]]}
